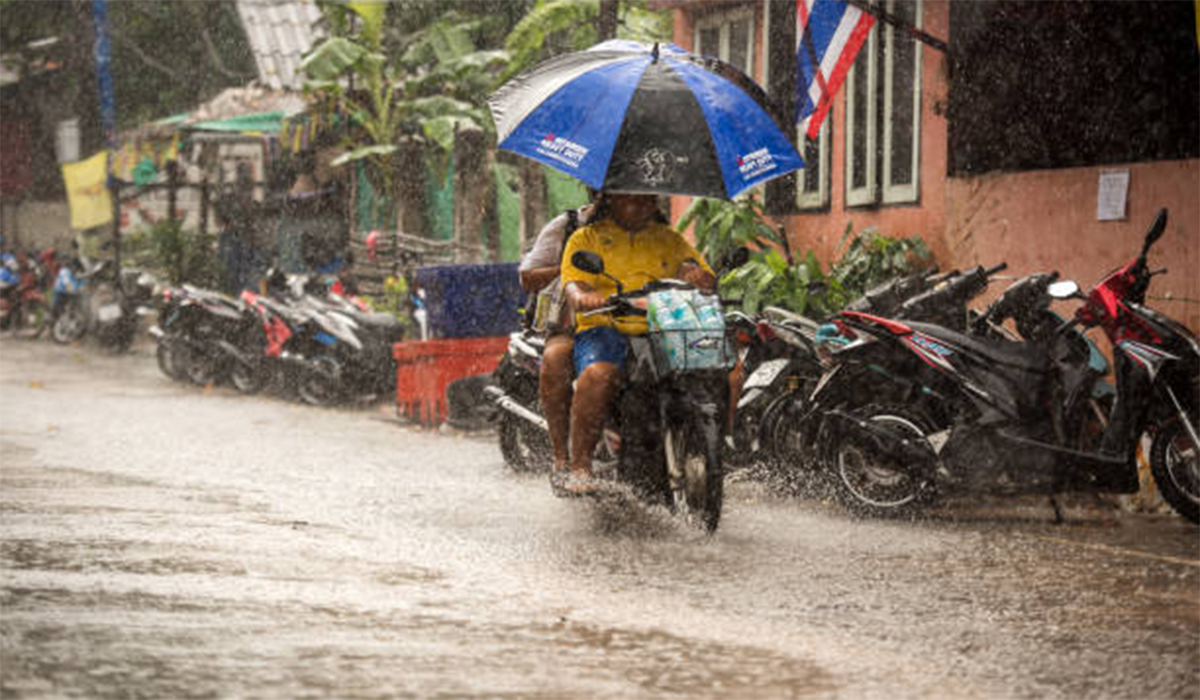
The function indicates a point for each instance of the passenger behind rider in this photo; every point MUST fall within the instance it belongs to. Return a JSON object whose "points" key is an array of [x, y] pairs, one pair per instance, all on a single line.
{"points": [[637, 247], [539, 268]]}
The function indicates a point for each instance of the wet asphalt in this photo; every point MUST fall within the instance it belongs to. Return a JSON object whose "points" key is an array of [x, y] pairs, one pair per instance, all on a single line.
{"points": [[159, 540]]}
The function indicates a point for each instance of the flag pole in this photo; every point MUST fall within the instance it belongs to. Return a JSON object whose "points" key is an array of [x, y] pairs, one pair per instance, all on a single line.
{"points": [[883, 15]]}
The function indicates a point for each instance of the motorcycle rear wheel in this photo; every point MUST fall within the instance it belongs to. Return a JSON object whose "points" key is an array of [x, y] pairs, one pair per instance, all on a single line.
{"points": [[873, 482], [524, 446], [697, 477], [1175, 465], [29, 319]]}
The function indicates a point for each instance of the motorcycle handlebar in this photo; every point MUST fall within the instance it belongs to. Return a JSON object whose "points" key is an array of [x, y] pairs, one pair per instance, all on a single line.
{"points": [[993, 270]]}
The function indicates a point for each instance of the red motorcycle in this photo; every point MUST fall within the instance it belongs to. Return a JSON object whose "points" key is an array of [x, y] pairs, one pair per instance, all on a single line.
{"points": [[1157, 365], [23, 308]]}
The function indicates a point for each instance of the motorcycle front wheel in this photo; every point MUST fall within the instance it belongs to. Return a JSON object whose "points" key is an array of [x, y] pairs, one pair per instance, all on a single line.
{"points": [[524, 446], [320, 383], [70, 325], [1175, 464], [694, 466], [247, 379], [171, 356]]}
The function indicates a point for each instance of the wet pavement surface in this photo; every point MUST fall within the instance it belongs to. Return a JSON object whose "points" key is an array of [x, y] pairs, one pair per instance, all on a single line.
{"points": [[159, 540]]}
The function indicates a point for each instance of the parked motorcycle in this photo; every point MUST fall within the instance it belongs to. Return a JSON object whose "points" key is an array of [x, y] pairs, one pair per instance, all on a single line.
{"points": [[524, 435], [328, 348], [952, 413], [23, 308], [191, 323], [90, 299], [789, 422]]}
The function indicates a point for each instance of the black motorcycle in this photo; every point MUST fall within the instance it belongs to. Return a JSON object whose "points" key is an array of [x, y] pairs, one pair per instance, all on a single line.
{"points": [[524, 435], [92, 300], [961, 414], [668, 419]]}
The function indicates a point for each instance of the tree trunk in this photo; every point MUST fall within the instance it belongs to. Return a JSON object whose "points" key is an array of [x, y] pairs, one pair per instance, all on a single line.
{"points": [[470, 193], [534, 204], [606, 21]]}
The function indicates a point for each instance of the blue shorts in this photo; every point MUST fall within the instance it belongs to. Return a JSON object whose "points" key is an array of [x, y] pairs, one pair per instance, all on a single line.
{"points": [[600, 344]]}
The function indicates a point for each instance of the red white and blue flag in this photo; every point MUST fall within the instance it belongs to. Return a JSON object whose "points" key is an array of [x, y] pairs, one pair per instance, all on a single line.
{"points": [[829, 34]]}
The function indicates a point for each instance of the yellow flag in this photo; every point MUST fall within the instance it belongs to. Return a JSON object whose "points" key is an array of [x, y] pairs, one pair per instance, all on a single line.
{"points": [[87, 191]]}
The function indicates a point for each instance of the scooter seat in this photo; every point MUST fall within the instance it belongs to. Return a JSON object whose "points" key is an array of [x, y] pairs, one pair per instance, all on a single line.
{"points": [[1021, 355]]}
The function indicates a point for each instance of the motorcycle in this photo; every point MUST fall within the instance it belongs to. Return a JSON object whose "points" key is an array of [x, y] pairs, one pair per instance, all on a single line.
{"points": [[524, 434], [23, 309], [92, 299], [667, 422], [961, 414], [329, 349], [787, 428], [516, 406], [191, 322]]}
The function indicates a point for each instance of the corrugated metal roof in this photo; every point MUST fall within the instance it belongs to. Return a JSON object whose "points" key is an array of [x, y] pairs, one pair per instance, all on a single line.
{"points": [[280, 32]]}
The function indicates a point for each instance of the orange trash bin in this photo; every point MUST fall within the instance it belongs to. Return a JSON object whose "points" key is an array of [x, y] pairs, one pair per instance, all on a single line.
{"points": [[424, 368]]}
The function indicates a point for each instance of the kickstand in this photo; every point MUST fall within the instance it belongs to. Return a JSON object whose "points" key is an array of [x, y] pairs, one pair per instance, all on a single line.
{"points": [[1058, 516]]}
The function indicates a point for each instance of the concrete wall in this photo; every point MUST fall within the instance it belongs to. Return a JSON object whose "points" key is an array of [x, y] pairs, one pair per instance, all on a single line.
{"points": [[1046, 220], [39, 224]]}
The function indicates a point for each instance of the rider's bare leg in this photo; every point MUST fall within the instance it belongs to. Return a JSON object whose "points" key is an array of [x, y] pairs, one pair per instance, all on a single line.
{"points": [[554, 389], [594, 392]]}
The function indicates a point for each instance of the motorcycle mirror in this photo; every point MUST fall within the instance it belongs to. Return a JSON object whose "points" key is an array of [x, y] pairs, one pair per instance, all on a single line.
{"points": [[1063, 290], [1156, 230], [588, 261]]}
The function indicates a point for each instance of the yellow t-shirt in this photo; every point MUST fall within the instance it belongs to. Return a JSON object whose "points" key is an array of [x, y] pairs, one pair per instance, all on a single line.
{"points": [[653, 253]]}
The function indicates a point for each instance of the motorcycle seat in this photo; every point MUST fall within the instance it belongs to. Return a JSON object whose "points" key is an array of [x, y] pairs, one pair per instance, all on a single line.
{"points": [[1018, 354]]}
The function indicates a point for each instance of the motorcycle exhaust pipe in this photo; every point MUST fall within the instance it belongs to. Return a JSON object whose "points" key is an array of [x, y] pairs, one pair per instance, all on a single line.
{"points": [[508, 403]]}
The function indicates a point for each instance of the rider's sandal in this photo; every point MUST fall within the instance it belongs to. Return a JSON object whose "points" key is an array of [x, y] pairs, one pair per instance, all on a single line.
{"points": [[575, 485], [558, 478]]}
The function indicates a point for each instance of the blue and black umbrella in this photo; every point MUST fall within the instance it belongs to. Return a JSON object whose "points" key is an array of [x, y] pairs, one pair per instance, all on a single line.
{"points": [[625, 117]]}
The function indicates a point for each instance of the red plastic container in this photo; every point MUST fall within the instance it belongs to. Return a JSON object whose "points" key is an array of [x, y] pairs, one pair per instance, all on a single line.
{"points": [[424, 369]]}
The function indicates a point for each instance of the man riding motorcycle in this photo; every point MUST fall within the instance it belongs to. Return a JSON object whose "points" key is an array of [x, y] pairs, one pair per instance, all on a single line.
{"points": [[637, 247]]}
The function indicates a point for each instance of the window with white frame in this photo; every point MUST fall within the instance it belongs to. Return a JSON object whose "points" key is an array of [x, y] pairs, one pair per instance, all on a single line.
{"points": [[812, 182], [883, 114], [727, 35]]}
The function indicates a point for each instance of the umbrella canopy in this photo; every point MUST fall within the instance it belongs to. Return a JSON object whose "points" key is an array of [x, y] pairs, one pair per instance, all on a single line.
{"points": [[626, 117]]}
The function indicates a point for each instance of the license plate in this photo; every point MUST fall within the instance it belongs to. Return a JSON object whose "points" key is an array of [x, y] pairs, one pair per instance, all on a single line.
{"points": [[109, 312], [765, 373]]}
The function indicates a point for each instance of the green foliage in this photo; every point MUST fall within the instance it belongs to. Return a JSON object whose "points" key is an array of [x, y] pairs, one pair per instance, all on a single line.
{"points": [[183, 256], [560, 26], [393, 300], [803, 287], [721, 226], [873, 258]]}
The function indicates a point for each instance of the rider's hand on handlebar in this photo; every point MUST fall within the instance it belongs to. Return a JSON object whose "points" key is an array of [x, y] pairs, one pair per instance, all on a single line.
{"points": [[590, 301]]}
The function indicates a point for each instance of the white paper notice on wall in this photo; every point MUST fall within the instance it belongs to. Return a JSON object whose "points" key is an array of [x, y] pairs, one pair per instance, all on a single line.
{"points": [[1111, 195]]}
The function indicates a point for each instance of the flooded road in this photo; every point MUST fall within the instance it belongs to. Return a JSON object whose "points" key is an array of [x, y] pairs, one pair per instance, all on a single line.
{"points": [[163, 541]]}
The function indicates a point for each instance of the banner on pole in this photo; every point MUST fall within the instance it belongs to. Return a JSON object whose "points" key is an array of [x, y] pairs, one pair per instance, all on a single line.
{"points": [[87, 191]]}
